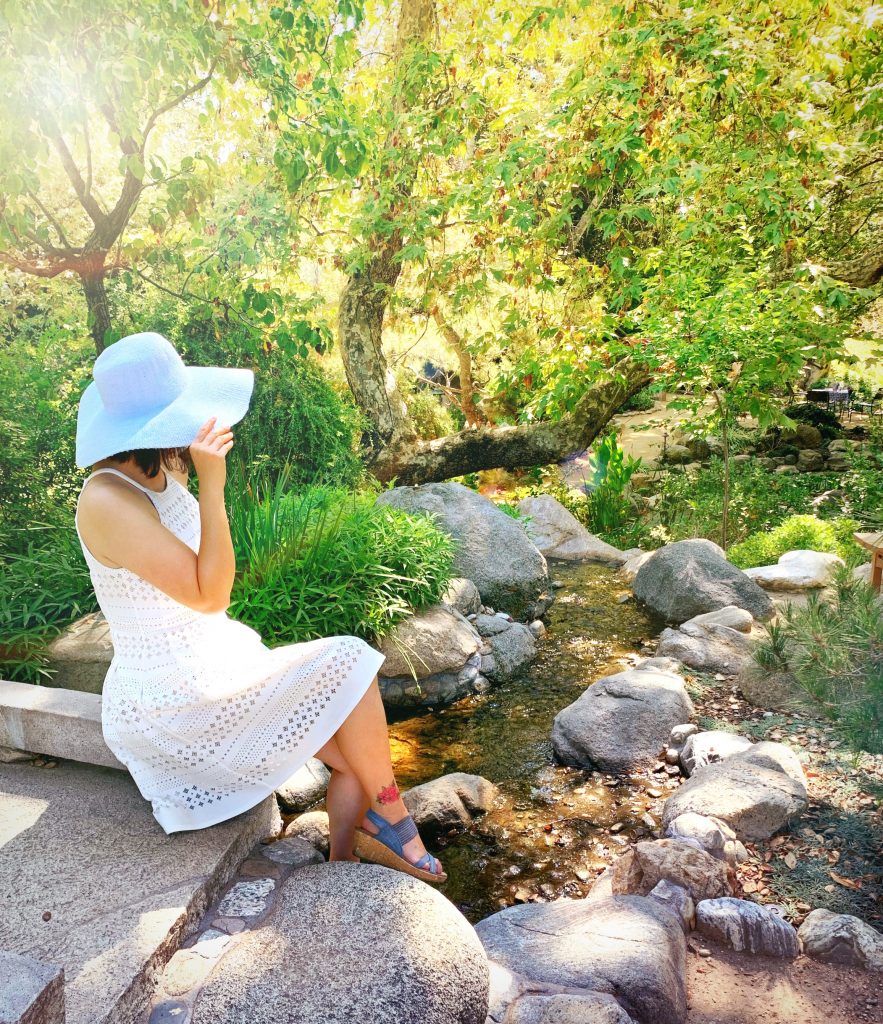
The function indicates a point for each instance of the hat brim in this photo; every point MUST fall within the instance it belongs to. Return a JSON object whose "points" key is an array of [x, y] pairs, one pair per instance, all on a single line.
{"points": [[210, 391]]}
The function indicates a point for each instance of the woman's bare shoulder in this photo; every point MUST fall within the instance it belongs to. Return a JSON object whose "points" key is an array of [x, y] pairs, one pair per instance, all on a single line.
{"points": [[109, 495]]}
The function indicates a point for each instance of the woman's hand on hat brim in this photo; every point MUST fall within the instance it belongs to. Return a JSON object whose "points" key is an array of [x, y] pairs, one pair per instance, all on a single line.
{"points": [[209, 454]]}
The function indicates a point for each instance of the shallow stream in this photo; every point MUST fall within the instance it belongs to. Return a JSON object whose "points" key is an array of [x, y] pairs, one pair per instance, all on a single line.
{"points": [[555, 828]]}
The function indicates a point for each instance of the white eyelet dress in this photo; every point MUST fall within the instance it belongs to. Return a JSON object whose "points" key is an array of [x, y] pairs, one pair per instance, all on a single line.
{"points": [[207, 719]]}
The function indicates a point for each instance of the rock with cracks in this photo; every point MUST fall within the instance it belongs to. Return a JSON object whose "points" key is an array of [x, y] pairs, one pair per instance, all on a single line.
{"points": [[352, 942], [621, 721], [305, 787], [707, 747], [641, 868], [690, 577], [746, 926], [630, 947], [491, 549]]}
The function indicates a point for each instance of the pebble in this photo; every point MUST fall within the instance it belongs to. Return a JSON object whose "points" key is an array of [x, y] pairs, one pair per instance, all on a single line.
{"points": [[171, 1011], [703, 952], [247, 899]]}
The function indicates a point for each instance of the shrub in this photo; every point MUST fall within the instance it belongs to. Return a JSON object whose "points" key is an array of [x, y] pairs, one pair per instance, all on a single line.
{"points": [[834, 650], [818, 416], [327, 562], [42, 589], [798, 532], [643, 400]]}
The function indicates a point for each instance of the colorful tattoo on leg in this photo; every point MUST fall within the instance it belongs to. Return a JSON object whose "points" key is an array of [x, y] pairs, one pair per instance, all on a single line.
{"points": [[389, 794]]}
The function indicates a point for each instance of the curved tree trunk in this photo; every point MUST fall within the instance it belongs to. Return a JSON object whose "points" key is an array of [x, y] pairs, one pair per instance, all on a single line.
{"points": [[531, 444], [391, 445], [467, 385]]}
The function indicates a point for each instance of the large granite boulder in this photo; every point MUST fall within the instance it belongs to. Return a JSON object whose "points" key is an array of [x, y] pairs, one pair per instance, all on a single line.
{"points": [[689, 577], [842, 939], [622, 721], [743, 925], [797, 570], [352, 942], [751, 792], [431, 657], [630, 947], [451, 801], [492, 549], [642, 867], [559, 534]]}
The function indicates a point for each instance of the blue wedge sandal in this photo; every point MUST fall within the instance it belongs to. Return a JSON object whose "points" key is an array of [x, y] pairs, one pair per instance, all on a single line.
{"points": [[387, 847]]}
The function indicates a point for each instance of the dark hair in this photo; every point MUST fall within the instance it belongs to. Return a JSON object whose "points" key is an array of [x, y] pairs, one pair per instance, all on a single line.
{"points": [[149, 460]]}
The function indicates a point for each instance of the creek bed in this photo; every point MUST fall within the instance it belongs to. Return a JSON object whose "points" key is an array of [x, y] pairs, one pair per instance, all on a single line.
{"points": [[555, 828]]}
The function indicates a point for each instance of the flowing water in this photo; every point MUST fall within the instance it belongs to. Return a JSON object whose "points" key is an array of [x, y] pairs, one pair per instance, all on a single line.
{"points": [[554, 827]]}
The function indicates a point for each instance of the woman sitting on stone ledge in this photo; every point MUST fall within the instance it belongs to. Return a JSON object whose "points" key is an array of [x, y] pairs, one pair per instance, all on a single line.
{"points": [[207, 719]]}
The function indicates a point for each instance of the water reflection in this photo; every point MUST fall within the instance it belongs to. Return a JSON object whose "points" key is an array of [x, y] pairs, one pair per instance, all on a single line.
{"points": [[555, 827]]}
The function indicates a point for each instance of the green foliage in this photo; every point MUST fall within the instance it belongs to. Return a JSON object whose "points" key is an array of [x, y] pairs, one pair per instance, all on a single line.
{"points": [[863, 484], [297, 422], [43, 588], [800, 532], [643, 401], [818, 416], [326, 562], [609, 508], [690, 504], [835, 652]]}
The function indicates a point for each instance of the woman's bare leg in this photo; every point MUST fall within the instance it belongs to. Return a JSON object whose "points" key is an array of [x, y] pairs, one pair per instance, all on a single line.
{"points": [[345, 800], [363, 740]]}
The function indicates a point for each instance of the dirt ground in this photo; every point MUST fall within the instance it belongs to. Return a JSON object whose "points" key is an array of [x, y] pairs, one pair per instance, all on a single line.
{"points": [[736, 988]]}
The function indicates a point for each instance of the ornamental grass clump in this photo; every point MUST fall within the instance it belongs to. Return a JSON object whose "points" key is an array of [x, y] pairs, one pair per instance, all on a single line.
{"points": [[324, 561], [834, 650]]}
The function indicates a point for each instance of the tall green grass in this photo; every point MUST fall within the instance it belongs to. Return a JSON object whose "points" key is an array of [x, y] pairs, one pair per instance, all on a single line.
{"points": [[325, 561]]}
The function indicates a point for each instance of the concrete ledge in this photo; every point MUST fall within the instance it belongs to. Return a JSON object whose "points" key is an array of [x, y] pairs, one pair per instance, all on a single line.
{"points": [[31, 992], [91, 882], [54, 721], [80, 657]]}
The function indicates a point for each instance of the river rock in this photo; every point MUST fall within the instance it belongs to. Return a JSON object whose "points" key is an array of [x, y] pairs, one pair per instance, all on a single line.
{"points": [[559, 534], [842, 939], [628, 946], [746, 926], [434, 640], [797, 570], [511, 649], [351, 942], [305, 787], [633, 563], [677, 455], [643, 866], [775, 691], [708, 646], [451, 801], [730, 616], [492, 549], [750, 792], [621, 722], [706, 747], [462, 595], [312, 827], [293, 851], [677, 899], [712, 834], [810, 461], [690, 577]]}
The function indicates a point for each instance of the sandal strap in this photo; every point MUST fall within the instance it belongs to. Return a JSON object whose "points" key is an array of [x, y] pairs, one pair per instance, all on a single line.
{"points": [[405, 829], [428, 863], [386, 832]]}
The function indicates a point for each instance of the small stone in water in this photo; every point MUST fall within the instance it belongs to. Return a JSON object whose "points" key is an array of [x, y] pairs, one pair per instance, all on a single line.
{"points": [[704, 952], [648, 820], [582, 874], [654, 792], [513, 869], [617, 826]]}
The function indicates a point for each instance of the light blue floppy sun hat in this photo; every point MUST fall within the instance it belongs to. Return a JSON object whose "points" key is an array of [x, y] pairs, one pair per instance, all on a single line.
{"points": [[143, 396]]}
